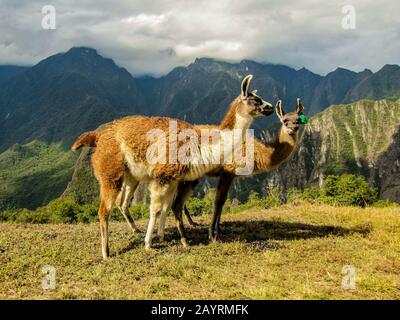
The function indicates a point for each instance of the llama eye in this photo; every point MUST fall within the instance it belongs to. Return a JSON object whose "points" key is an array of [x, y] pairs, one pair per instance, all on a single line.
{"points": [[258, 101]]}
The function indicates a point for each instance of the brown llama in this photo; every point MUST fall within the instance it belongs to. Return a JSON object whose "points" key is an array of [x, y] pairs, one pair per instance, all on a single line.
{"points": [[121, 159], [267, 156]]}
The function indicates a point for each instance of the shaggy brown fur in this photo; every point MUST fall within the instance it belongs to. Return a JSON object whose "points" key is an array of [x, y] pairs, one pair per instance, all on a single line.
{"points": [[88, 139], [230, 118]]}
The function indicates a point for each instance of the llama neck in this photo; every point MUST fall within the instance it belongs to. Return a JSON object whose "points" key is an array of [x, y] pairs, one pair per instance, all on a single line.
{"points": [[234, 120], [288, 140], [269, 155], [212, 156]]}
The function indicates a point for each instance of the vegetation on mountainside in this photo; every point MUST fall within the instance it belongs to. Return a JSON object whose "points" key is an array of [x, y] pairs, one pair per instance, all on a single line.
{"points": [[361, 138], [355, 134], [33, 174]]}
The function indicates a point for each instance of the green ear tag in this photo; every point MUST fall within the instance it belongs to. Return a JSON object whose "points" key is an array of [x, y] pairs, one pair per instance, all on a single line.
{"points": [[303, 119]]}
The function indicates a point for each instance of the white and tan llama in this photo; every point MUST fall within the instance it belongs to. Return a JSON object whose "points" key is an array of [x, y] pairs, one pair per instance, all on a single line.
{"points": [[267, 156]]}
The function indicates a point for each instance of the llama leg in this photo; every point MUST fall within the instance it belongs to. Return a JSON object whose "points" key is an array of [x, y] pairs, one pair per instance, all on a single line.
{"points": [[154, 212], [125, 199], [161, 225], [106, 201], [158, 193], [186, 195], [224, 183], [183, 193], [168, 199], [188, 217], [180, 226], [185, 190]]}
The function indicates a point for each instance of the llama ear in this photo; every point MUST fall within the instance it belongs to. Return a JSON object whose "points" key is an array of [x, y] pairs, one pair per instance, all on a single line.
{"points": [[299, 106], [279, 110], [245, 86], [254, 92]]}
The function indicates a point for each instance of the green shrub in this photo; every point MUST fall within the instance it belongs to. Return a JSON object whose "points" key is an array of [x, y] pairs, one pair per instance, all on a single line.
{"points": [[330, 186], [87, 213], [312, 194], [385, 204], [28, 216], [139, 210], [209, 198], [197, 206], [344, 190], [61, 211], [8, 215], [294, 195], [349, 190], [273, 198], [56, 211], [255, 201], [232, 206]]}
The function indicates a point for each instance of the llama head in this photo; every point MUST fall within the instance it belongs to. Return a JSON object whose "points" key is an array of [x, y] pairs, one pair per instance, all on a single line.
{"points": [[291, 121], [250, 103]]}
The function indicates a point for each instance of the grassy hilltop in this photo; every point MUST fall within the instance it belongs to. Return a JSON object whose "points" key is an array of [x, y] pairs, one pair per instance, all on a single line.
{"points": [[288, 252]]}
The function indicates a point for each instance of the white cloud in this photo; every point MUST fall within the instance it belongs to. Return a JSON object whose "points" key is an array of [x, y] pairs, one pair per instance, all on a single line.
{"points": [[220, 49], [155, 36], [143, 19]]}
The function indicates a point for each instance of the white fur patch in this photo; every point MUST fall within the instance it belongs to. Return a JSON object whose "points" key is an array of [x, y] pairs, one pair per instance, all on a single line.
{"points": [[139, 170], [203, 162], [243, 122]]}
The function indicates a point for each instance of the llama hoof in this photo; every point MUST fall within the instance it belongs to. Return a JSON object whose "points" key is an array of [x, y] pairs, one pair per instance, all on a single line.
{"points": [[213, 239], [137, 231], [194, 224], [184, 243], [159, 238], [150, 250]]}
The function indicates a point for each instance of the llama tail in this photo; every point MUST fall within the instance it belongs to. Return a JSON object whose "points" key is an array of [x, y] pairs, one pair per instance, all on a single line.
{"points": [[87, 139]]}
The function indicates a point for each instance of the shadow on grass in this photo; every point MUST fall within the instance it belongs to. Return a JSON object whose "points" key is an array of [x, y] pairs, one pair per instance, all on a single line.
{"points": [[256, 233], [136, 241]]}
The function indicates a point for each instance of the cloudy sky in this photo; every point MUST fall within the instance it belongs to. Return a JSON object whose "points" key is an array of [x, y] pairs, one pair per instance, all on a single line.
{"points": [[152, 37]]}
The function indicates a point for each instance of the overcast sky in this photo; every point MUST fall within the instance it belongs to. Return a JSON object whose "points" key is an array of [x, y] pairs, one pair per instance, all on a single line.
{"points": [[152, 37]]}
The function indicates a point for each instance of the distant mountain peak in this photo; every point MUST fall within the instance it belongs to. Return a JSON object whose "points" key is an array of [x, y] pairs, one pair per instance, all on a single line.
{"points": [[82, 50], [85, 54], [390, 68], [303, 70], [82, 60], [366, 71], [204, 60], [306, 71], [247, 61], [341, 70]]}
